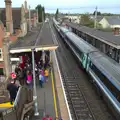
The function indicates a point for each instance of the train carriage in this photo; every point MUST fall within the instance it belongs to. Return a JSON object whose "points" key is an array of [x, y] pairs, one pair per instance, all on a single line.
{"points": [[81, 47], [104, 71], [56, 24]]}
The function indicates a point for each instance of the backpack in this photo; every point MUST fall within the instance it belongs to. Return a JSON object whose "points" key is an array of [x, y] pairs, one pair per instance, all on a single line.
{"points": [[41, 77]]}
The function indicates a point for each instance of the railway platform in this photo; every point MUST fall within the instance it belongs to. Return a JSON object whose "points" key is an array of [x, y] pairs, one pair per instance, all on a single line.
{"points": [[51, 98]]}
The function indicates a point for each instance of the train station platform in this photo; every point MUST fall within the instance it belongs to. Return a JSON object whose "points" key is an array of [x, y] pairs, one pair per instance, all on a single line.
{"points": [[46, 99], [51, 98], [41, 38]]}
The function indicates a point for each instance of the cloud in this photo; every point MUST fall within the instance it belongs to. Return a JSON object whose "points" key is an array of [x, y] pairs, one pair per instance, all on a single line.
{"points": [[71, 5]]}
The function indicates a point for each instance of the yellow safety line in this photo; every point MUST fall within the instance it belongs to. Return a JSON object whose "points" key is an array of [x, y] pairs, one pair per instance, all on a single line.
{"points": [[6, 105], [54, 95]]}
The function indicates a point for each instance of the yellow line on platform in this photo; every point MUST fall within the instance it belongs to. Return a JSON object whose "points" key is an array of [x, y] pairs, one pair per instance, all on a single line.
{"points": [[7, 104], [54, 95]]}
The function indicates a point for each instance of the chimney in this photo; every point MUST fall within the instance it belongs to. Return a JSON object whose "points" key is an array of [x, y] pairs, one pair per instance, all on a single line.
{"points": [[9, 21], [29, 19], [22, 13], [116, 31], [37, 15], [26, 9], [35, 20]]}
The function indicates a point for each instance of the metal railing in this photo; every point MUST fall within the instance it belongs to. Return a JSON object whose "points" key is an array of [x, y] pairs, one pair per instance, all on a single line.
{"points": [[24, 96]]}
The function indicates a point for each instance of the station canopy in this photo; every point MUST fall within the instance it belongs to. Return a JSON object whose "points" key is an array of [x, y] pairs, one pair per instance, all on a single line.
{"points": [[46, 40]]}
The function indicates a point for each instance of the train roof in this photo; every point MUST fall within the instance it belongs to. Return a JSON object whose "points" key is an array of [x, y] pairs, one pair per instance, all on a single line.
{"points": [[56, 22], [82, 45], [108, 66], [64, 29]]}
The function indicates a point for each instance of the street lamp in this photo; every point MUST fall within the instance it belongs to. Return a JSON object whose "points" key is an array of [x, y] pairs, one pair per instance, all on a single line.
{"points": [[34, 85]]}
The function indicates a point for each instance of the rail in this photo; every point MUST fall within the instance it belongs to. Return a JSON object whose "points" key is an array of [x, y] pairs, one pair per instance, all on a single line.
{"points": [[65, 97], [77, 103], [23, 103], [17, 97]]}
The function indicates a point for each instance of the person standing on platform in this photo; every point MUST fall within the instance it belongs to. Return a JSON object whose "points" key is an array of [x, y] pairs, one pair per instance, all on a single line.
{"points": [[12, 88], [41, 79], [47, 117], [46, 73], [29, 79]]}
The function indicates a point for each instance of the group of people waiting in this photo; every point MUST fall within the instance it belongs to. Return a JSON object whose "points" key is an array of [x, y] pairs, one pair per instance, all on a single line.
{"points": [[24, 74], [24, 70]]}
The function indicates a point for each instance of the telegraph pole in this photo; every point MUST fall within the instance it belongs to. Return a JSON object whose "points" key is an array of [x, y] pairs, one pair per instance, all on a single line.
{"points": [[37, 16], [95, 20], [34, 85], [29, 19], [42, 16]]}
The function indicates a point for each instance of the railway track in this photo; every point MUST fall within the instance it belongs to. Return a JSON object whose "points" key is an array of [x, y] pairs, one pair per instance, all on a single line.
{"points": [[83, 102], [78, 105]]}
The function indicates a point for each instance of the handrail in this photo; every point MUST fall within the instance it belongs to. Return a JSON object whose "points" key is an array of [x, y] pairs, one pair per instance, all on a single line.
{"points": [[17, 97]]}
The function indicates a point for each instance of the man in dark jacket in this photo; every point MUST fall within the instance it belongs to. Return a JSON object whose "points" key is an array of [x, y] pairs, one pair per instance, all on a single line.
{"points": [[12, 88]]}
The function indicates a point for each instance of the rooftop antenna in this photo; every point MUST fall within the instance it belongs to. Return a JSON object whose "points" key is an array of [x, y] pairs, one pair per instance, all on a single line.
{"points": [[95, 20]]}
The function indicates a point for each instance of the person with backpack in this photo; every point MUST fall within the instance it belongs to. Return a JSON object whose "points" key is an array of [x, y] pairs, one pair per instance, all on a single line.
{"points": [[41, 79]]}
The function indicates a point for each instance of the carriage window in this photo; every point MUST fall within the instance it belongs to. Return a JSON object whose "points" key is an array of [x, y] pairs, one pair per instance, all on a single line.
{"points": [[106, 81]]}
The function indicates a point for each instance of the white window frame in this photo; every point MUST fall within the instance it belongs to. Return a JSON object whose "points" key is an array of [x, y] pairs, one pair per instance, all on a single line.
{"points": [[1, 59]]}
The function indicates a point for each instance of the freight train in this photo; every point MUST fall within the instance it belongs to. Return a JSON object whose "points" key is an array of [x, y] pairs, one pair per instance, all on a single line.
{"points": [[104, 71]]}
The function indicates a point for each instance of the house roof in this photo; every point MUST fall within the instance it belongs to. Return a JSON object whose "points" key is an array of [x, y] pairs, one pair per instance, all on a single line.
{"points": [[113, 20], [16, 14], [99, 18], [106, 37]]}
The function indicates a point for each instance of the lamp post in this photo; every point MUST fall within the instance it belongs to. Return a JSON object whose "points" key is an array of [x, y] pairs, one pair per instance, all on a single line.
{"points": [[34, 85]]}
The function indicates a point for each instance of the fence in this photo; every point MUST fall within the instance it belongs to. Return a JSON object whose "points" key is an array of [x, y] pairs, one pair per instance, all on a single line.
{"points": [[24, 97]]}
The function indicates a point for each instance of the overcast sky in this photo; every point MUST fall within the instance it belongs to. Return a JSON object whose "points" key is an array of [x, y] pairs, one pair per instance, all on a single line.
{"points": [[77, 6]]}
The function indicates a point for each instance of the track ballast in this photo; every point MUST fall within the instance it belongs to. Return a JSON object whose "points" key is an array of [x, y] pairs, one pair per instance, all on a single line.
{"points": [[83, 102]]}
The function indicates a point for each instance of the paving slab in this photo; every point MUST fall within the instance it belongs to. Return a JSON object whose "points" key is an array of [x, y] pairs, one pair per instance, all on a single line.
{"points": [[45, 99]]}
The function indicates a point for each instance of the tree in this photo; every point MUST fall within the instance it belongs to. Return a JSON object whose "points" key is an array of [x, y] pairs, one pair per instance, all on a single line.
{"points": [[98, 13], [107, 14], [56, 14], [84, 19], [41, 12]]}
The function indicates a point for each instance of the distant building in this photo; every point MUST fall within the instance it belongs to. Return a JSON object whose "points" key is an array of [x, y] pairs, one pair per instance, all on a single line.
{"points": [[13, 24], [110, 22], [74, 19], [99, 18]]}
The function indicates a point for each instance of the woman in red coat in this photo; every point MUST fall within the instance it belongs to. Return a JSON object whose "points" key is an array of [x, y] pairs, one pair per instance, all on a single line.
{"points": [[47, 118]]}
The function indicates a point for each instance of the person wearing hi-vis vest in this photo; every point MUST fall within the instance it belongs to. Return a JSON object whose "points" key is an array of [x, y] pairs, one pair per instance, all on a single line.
{"points": [[46, 73]]}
